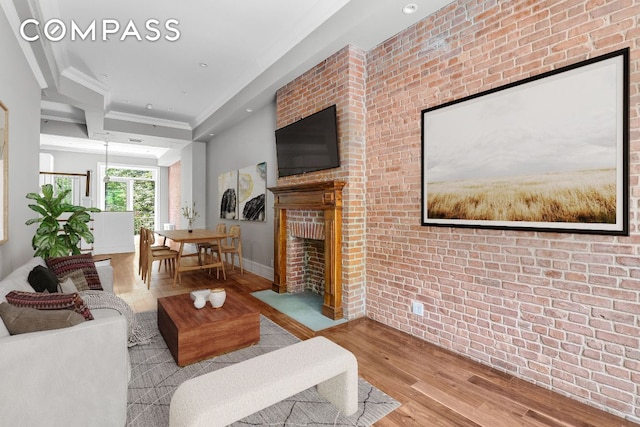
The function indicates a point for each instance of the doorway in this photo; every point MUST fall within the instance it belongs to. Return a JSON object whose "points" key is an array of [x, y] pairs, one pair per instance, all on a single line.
{"points": [[130, 188]]}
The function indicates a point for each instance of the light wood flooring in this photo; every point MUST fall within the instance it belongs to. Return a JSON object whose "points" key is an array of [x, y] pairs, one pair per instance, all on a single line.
{"points": [[435, 387]]}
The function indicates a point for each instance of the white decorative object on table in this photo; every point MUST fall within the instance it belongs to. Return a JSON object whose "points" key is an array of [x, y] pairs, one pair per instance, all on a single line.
{"points": [[203, 292], [217, 297], [199, 302]]}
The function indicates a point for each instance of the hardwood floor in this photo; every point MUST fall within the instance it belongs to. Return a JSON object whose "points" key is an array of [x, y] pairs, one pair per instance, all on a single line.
{"points": [[434, 386]]}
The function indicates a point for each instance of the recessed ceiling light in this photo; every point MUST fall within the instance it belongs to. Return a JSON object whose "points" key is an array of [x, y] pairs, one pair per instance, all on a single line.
{"points": [[105, 75], [410, 8], [149, 106], [204, 65], [249, 110], [211, 134], [171, 109]]}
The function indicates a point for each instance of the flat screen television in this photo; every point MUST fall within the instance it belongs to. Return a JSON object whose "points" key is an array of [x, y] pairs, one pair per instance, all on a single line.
{"points": [[308, 145]]}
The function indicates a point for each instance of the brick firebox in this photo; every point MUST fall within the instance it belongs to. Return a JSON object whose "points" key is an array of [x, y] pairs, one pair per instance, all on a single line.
{"points": [[305, 251]]}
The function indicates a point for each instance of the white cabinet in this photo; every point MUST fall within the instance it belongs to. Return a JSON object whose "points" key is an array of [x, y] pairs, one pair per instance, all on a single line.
{"points": [[113, 232]]}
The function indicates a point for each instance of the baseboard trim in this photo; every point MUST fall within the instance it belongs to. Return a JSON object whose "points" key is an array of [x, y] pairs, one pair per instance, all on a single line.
{"points": [[257, 268], [113, 249]]}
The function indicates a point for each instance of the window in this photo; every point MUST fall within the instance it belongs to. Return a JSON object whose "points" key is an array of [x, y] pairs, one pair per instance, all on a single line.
{"points": [[61, 182], [131, 188]]}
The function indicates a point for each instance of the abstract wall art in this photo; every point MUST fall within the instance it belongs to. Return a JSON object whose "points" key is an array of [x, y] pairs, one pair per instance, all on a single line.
{"points": [[252, 190]]}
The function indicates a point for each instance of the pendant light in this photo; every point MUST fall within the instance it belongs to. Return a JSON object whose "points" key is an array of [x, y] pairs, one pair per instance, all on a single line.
{"points": [[106, 162]]}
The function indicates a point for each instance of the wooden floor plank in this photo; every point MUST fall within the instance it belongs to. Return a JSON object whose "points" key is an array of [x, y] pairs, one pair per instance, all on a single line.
{"points": [[434, 386]]}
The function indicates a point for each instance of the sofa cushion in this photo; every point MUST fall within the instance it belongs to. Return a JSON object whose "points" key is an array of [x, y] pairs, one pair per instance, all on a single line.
{"points": [[62, 266], [17, 279], [20, 320], [42, 279], [78, 279], [49, 302]]}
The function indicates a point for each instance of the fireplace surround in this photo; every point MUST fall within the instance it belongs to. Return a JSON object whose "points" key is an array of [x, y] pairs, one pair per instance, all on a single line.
{"points": [[325, 196]]}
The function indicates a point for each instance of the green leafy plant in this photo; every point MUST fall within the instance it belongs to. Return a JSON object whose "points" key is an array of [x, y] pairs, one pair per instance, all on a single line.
{"points": [[190, 214], [58, 234]]}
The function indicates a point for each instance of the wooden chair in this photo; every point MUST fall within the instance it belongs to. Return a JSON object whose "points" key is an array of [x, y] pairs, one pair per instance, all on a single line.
{"points": [[143, 255], [152, 254], [233, 246], [212, 246]]}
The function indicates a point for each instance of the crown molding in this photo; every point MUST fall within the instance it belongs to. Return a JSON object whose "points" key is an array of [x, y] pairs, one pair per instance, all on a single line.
{"points": [[90, 83], [136, 118], [62, 119], [14, 22]]}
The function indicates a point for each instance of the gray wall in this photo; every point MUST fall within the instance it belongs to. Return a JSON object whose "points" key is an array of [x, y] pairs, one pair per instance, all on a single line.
{"points": [[249, 142], [20, 93]]}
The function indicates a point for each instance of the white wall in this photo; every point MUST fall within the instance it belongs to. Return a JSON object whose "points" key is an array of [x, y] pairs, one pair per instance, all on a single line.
{"points": [[66, 161], [248, 143], [193, 182], [20, 93]]}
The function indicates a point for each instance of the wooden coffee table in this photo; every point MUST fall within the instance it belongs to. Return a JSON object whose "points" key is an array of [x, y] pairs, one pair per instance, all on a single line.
{"points": [[193, 335]]}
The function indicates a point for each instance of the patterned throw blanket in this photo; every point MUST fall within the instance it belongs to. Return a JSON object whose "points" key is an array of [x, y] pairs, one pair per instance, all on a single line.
{"points": [[137, 333]]}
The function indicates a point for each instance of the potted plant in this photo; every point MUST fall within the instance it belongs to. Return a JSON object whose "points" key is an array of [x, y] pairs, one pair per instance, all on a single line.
{"points": [[58, 234], [190, 214]]}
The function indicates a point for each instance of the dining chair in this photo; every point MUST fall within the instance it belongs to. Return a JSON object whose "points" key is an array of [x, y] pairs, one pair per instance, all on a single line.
{"points": [[156, 253], [221, 228], [143, 255], [233, 247]]}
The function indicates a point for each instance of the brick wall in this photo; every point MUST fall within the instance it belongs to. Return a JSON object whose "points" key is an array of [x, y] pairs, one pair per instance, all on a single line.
{"points": [[338, 80], [175, 213], [559, 310]]}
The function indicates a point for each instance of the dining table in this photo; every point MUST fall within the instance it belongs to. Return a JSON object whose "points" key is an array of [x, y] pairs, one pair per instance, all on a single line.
{"points": [[185, 261]]}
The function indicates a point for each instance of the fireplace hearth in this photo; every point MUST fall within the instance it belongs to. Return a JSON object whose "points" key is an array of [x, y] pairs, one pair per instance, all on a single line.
{"points": [[325, 196]]}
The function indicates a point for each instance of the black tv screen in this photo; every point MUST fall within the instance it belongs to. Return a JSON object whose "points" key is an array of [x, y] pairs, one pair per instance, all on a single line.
{"points": [[308, 145]]}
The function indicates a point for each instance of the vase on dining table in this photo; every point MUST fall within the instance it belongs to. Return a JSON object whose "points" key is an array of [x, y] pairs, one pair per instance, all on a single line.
{"points": [[190, 225]]}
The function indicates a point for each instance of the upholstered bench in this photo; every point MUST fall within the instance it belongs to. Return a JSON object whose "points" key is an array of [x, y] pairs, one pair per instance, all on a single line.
{"points": [[229, 394]]}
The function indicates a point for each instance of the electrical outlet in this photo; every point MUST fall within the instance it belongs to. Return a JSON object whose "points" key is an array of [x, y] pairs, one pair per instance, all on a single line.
{"points": [[417, 308]]}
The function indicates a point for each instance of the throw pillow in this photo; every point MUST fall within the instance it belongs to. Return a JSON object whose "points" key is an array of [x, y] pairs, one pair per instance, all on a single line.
{"points": [[50, 302], [41, 279], [20, 320], [78, 279], [62, 266], [67, 286]]}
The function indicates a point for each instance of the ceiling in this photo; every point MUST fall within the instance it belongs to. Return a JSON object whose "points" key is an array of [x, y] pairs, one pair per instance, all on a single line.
{"points": [[153, 97]]}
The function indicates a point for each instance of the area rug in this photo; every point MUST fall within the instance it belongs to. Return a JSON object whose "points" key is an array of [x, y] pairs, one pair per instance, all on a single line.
{"points": [[155, 376], [305, 307]]}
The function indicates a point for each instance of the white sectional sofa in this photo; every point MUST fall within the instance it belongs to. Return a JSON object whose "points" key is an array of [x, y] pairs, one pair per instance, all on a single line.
{"points": [[75, 376]]}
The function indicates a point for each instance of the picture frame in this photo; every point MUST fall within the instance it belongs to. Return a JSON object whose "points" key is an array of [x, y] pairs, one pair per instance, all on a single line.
{"points": [[4, 173], [547, 153]]}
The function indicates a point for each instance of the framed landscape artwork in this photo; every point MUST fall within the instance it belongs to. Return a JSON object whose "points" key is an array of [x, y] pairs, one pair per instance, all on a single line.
{"points": [[546, 153]]}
